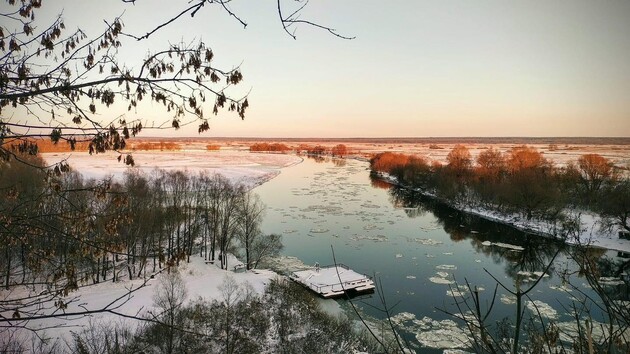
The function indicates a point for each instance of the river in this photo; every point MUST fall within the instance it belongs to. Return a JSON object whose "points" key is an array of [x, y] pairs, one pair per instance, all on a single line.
{"points": [[420, 252]]}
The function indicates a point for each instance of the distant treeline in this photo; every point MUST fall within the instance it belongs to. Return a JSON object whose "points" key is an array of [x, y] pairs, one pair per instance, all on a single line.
{"points": [[269, 147], [47, 145], [518, 181], [154, 145], [338, 150]]}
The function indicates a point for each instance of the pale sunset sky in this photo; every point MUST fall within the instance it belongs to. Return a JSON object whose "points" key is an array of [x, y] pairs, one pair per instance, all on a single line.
{"points": [[415, 68]]}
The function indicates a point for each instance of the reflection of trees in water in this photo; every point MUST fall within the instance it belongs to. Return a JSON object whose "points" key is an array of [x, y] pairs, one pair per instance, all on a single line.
{"points": [[317, 158], [597, 263], [378, 182], [414, 212], [538, 251], [339, 162]]}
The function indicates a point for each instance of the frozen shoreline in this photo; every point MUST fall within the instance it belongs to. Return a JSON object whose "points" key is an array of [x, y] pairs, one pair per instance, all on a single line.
{"points": [[591, 233]]}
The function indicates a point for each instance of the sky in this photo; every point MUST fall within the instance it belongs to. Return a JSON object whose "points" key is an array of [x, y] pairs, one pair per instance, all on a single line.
{"points": [[415, 68]]}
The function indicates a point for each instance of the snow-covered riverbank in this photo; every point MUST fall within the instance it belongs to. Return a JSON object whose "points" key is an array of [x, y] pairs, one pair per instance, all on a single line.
{"points": [[591, 233]]}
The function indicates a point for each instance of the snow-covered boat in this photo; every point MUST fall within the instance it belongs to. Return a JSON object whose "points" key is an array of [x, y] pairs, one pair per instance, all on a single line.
{"points": [[334, 281]]}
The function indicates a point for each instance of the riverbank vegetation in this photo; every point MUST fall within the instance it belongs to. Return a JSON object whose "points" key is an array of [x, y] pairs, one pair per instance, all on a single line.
{"points": [[521, 181]]}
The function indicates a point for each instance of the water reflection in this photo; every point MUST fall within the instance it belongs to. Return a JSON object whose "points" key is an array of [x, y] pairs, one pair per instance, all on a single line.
{"points": [[534, 253]]}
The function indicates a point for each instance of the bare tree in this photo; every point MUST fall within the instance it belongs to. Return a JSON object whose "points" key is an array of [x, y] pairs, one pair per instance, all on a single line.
{"points": [[168, 298], [250, 216]]}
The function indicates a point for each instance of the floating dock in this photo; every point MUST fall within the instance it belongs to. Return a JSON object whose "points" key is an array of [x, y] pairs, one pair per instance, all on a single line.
{"points": [[325, 280]]}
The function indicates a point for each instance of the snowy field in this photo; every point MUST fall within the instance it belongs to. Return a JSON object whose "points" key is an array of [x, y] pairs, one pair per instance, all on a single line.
{"points": [[238, 166]]}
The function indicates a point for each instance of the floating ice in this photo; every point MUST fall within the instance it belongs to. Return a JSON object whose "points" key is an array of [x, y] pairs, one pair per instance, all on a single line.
{"points": [[610, 281], [534, 275], [562, 287], [375, 238], [435, 334], [503, 245], [455, 293], [442, 274], [411, 277], [509, 246], [508, 299], [446, 267], [399, 255], [319, 230], [545, 309], [426, 241], [447, 253], [440, 280]]}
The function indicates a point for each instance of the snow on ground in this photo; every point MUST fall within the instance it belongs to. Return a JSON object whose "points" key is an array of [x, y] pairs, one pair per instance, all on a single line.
{"points": [[237, 165], [202, 281], [591, 231]]}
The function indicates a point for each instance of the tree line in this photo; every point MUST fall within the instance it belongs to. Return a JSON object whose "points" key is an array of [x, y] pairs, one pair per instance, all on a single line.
{"points": [[520, 181]]}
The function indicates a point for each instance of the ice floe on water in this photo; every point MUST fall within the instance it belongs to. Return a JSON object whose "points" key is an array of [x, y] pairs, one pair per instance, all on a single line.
{"points": [[526, 276], [610, 281], [545, 310], [446, 267], [411, 277], [459, 292], [508, 299], [399, 255], [425, 241], [562, 287], [319, 230], [444, 334], [440, 280], [532, 274], [285, 263], [503, 245], [375, 238]]}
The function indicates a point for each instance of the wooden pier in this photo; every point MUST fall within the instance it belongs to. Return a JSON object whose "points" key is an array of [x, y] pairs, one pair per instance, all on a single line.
{"points": [[325, 281]]}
